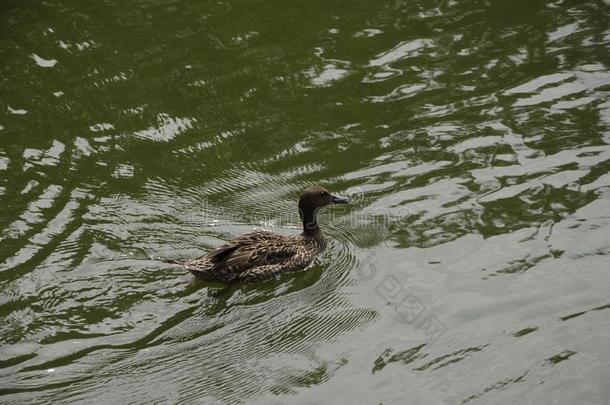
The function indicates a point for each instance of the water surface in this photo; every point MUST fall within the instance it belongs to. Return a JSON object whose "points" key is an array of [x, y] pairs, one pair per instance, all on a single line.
{"points": [[471, 267]]}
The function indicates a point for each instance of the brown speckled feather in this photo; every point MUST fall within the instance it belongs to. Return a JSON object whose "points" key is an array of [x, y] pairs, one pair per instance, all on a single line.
{"points": [[257, 256]]}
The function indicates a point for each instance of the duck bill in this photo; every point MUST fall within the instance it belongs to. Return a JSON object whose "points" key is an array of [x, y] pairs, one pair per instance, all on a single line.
{"points": [[335, 199]]}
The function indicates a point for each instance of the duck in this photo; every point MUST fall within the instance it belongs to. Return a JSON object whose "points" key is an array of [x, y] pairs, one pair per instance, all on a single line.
{"points": [[262, 255]]}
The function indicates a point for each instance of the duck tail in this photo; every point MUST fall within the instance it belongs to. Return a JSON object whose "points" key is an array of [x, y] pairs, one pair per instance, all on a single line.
{"points": [[183, 264], [170, 261]]}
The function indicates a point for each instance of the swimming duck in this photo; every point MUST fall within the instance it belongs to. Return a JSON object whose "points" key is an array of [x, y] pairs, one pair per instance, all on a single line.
{"points": [[261, 255]]}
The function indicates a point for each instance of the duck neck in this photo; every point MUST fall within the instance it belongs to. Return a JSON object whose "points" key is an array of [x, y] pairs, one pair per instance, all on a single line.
{"points": [[310, 222]]}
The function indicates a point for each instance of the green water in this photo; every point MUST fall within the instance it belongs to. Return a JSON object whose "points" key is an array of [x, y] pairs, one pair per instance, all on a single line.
{"points": [[471, 267]]}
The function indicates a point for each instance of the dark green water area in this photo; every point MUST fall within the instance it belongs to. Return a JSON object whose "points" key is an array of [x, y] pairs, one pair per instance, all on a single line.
{"points": [[473, 137]]}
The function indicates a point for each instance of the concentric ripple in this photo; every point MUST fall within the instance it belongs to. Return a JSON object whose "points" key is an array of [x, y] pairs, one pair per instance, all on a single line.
{"points": [[471, 265]]}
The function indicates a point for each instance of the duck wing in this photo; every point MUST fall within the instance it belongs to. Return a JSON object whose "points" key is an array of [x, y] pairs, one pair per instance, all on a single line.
{"points": [[251, 250]]}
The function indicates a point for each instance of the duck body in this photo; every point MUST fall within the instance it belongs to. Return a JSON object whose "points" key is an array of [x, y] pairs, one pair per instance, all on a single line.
{"points": [[257, 256], [261, 255]]}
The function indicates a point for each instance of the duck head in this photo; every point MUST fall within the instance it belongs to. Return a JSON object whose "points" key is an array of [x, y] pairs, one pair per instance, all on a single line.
{"points": [[311, 200]]}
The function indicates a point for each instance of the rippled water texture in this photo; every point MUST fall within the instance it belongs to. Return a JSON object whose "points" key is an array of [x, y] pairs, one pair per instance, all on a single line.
{"points": [[471, 267]]}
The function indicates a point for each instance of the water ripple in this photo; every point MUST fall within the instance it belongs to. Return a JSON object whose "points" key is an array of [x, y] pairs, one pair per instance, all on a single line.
{"points": [[473, 139]]}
